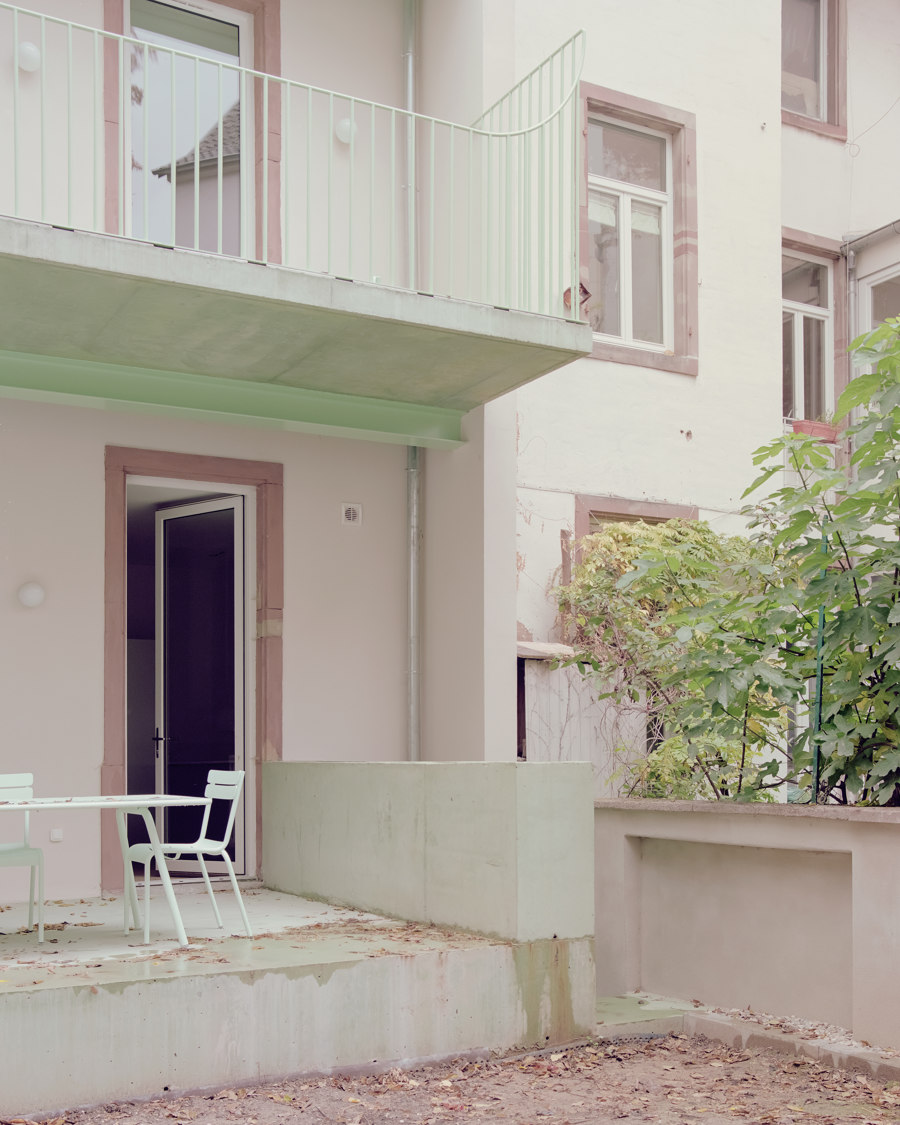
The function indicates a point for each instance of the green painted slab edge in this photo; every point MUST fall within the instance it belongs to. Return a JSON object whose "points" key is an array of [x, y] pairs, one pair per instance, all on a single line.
{"points": [[207, 398]]}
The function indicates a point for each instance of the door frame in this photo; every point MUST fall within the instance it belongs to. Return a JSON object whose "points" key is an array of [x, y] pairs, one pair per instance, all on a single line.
{"points": [[267, 478]]}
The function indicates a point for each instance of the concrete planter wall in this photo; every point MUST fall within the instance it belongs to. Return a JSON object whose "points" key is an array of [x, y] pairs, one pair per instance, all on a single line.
{"points": [[783, 908]]}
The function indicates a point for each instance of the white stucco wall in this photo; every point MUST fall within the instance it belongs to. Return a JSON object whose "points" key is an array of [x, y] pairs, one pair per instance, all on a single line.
{"points": [[600, 428]]}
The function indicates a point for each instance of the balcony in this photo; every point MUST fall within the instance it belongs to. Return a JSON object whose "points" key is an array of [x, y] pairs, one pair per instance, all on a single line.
{"points": [[181, 232]]}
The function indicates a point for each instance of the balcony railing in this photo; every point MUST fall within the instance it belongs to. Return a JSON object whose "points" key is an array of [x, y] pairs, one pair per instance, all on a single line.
{"points": [[115, 135]]}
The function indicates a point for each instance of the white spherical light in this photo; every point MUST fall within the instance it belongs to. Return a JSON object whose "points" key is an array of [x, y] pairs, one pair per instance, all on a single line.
{"points": [[29, 56], [31, 594]]}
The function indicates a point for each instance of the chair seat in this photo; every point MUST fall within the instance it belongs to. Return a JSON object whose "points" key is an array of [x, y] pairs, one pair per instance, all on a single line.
{"points": [[19, 852]]}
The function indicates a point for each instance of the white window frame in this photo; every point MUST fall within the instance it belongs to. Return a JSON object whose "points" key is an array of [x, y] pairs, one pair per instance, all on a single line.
{"points": [[823, 67], [866, 285], [625, 193], [798, 311]]}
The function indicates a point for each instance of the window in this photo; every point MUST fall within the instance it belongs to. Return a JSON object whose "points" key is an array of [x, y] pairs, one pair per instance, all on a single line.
{"points": [[813, 65], [629, 219], [885, 298], [639, 232], [806, 338]]}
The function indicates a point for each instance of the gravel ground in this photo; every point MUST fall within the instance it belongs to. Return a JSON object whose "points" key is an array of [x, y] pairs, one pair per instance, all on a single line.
{"points": [[673, 1080]]}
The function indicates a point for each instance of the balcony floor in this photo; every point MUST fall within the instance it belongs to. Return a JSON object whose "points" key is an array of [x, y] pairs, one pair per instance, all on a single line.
{"points": [[176, 327]]}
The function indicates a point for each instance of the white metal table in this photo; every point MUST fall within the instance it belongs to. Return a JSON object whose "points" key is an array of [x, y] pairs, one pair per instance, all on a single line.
{"points": [[136, 803]]}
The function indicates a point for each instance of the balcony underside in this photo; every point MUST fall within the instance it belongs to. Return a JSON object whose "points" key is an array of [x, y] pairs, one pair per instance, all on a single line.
{"points": [[93, 315]]}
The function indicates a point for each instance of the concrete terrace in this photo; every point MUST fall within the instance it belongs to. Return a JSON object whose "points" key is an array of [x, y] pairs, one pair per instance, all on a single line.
{"points": [[102, 1017]]}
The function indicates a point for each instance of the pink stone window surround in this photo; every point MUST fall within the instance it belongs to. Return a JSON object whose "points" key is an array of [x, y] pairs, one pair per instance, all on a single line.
{"points": [[832, 119], [680, 127]]}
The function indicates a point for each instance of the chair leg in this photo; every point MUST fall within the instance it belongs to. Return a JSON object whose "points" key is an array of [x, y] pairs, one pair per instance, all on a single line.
{"points": [[147, 900], [237, 893], [209, 891], [130, 899], [40, 899], [31, 897]]}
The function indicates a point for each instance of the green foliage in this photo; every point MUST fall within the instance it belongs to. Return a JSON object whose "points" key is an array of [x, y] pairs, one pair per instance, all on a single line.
{"points": [[726, 641], [731, 645], [633, 612]]}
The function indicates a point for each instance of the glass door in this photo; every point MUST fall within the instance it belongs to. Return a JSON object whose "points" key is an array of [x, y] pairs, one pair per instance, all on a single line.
{"points": [[187, 125]]}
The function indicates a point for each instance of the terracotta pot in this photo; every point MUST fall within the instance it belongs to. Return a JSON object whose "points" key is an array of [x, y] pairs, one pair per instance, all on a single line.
{"points": [[824, 431]]}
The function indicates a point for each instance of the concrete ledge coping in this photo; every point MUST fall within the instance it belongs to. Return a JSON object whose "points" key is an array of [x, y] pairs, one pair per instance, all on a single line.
{"points": [[856, 813]]}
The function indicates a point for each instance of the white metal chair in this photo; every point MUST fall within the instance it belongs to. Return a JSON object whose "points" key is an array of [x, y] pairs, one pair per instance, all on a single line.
{"points": [[221, 785], [20, 787]]}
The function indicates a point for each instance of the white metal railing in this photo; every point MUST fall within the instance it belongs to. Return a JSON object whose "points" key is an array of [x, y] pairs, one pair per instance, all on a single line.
{"points": [[110, 134]]}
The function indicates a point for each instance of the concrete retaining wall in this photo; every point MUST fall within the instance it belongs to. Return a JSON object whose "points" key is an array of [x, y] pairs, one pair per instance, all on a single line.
{"points": [[496, 847], [782, 908]]}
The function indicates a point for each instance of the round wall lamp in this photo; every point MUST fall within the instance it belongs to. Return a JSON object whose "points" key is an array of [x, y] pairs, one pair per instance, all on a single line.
{"points": [[345, 130], [29, 56], [31, 594]]}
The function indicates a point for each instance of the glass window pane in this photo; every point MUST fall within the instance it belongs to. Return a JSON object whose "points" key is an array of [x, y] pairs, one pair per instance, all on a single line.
{"points": [[813, 367], [801, 63], [603, 231], [806, 282], [787, 366], [624, 154], [885, 300], [646, 272]]}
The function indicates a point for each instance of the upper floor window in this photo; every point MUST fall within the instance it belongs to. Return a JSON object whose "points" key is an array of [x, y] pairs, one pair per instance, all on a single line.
{"points": [[629, 224], [885, 298], [639, 231], [806, 338], [813, 65]]}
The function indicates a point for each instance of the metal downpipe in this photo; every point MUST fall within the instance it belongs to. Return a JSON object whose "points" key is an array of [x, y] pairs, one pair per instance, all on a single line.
{"points": [[413, 454]]}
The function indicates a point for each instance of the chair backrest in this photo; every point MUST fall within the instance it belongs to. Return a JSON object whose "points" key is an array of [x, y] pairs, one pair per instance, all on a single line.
{"points": [[223, 785], [17, 787]]}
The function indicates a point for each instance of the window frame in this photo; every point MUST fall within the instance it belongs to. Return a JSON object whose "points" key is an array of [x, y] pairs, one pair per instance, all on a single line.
{"points": [[833, 70], [680, 353], [866, 284], [626, 193], [825, 251], [799, 312]]}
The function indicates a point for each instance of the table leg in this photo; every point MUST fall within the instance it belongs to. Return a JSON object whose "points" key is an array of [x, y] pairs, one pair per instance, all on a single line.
{"points": [[164, 874], [130, 891]]}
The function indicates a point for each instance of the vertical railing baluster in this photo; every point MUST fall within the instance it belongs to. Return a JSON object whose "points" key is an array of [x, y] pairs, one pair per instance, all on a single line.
{"points": [[196, 152], [371, 271], [431, 213], [329, 198], [245, 175], [17, 155], [411, 202], [309, 128], [470, 189], [173, 153], [127, 178], [69, 130], [146, 150], [451, 211], [350, 201], [99, 140], [44, 69], [393, 197], [286, 186], [265, 169], [219, 161]]}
